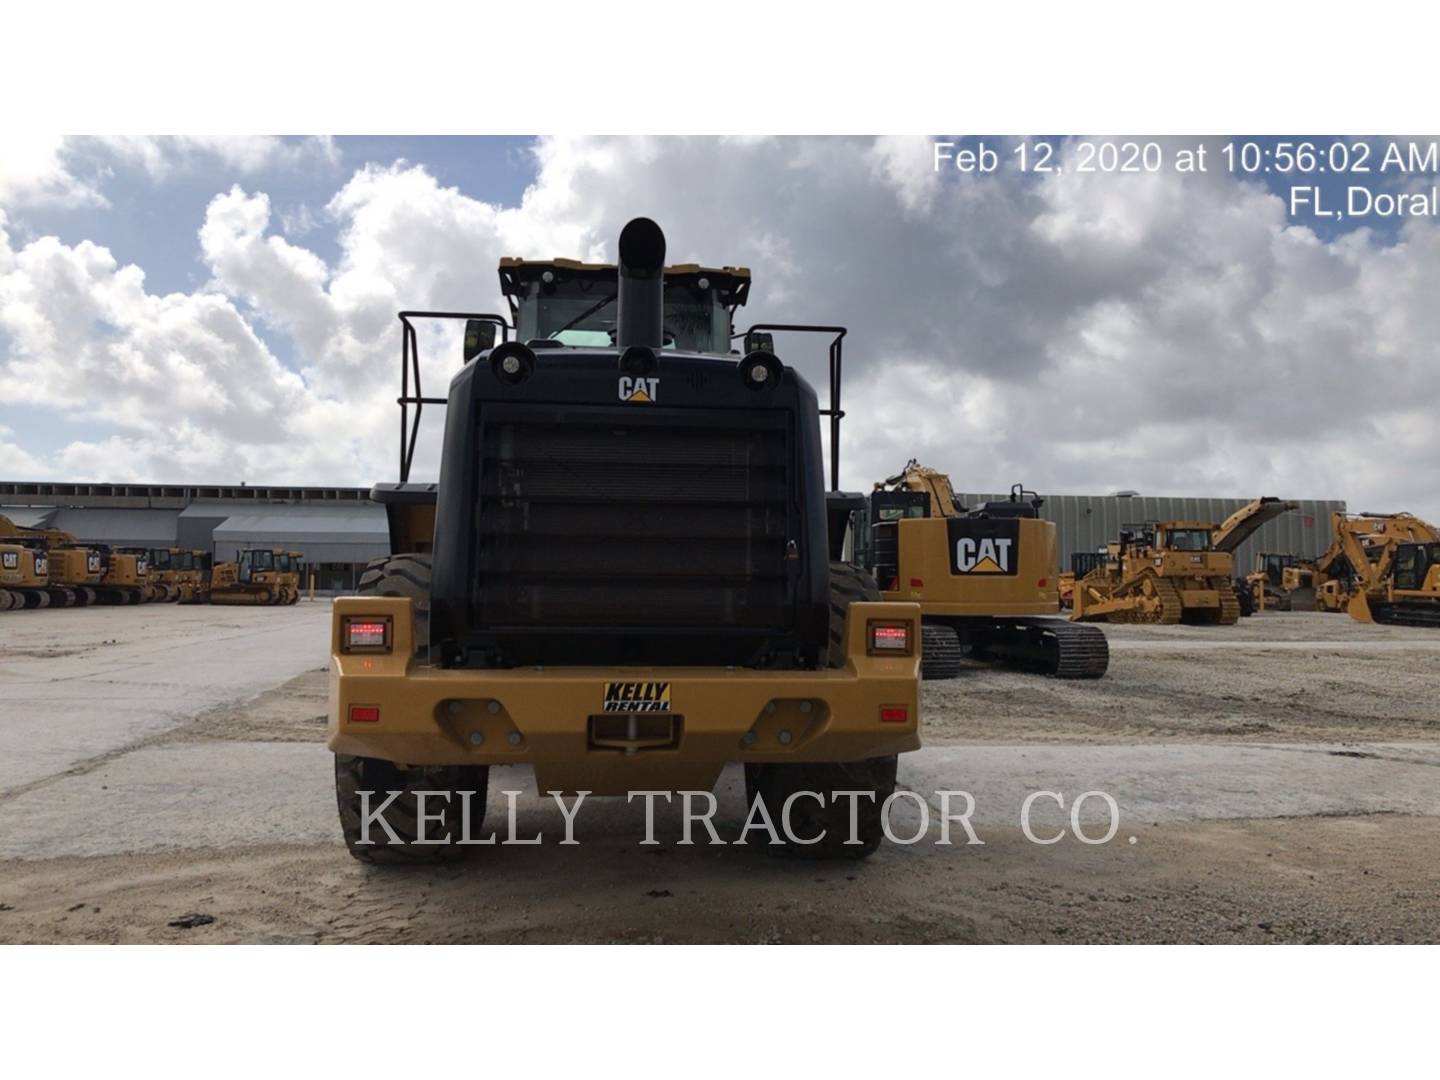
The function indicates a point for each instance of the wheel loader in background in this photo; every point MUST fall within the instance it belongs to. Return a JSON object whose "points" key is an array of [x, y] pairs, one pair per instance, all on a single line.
{"points": [[636, 574], [1173, 571], [985, 578], [256, 576]]}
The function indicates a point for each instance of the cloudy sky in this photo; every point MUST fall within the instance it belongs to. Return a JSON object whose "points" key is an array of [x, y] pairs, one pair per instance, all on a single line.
{"points": [[217, 310]]}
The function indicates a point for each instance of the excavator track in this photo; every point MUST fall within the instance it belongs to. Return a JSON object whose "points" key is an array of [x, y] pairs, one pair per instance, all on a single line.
{"points": [[1406, 613], [940, 655], [1046, 646]]}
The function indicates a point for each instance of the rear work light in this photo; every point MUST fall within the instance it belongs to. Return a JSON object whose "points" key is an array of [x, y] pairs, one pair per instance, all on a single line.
{"points": [[362, 635], [889, 639]]}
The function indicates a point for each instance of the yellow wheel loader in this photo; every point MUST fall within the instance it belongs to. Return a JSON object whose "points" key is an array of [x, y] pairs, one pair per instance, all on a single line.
{"points": [[1173, 571], [985, 578], [635, 577]]}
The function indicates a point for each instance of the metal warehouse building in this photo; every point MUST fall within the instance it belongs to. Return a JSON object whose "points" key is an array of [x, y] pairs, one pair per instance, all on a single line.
{"points": [[1089, 522], [336, 530]]}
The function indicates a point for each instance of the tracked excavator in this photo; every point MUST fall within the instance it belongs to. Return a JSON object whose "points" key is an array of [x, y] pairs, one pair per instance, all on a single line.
{"points": [[24, 569], [1385, 569], [1173, 571], [66, 573], [985, 578]]}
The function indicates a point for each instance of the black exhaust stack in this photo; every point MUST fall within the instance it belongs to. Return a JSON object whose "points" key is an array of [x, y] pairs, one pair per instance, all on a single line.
{"points": [[640, 307]]}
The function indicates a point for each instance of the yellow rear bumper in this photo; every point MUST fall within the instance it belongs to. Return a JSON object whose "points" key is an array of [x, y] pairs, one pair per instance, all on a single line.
{"points": [[555, 718]]}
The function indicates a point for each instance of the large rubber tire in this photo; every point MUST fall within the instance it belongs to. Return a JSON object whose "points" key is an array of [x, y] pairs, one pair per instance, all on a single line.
{"points": [[7, 599], [940, 652], [409, 575], [847, 584], [356, 774], [773, 784]]}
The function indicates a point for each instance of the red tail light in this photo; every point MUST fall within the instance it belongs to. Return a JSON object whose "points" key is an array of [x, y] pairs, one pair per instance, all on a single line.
{"points": [[889, 639], [894, 714], [917, 583], [364, 714], [364, 635]]}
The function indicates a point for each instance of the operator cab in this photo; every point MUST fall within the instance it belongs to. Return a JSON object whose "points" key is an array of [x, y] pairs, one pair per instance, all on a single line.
{"points": [[1183, 536], [563, 303]]}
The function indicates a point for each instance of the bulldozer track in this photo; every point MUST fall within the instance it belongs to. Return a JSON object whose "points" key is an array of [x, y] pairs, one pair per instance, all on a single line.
{"points": [[1229, 605], [1172, 608]]}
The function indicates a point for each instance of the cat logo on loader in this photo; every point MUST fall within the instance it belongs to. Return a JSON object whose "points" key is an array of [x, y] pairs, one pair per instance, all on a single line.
{"points": [[638, 388]]}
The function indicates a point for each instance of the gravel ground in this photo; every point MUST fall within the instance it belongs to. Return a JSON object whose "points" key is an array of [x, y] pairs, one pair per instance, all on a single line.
{"points": [[1194, 725], [1274, 677]]}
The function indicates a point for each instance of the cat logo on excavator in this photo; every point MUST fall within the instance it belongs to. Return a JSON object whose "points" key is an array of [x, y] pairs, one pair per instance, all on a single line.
{"points": [[987, 555]]}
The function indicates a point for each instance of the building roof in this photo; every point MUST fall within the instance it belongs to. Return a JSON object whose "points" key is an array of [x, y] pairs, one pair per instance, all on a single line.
{"points": [[320, 533], [28, 517], [117, 526]]}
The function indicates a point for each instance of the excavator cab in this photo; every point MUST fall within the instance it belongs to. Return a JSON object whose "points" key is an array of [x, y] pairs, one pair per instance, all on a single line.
{"points": [[1414, 564]]}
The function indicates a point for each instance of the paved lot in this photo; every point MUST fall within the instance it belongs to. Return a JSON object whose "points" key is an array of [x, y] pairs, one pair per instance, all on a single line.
{"points": [[165, 759]]}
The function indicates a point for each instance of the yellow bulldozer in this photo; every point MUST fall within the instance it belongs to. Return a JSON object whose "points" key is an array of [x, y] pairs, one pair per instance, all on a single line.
{"points": [[1383, 568], [185, 572], [1173, 571], [1281, 581], [257, 576], [985, 578]]}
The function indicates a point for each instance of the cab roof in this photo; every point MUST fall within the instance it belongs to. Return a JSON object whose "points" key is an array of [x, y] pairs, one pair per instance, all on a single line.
{"points": [[731, 282]]}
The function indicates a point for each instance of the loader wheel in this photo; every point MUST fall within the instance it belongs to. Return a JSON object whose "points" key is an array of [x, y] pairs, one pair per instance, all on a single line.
{"points": [[828, 826], [7, 600], [443, 817], [847, 584], [409, 575], [940, 652]]}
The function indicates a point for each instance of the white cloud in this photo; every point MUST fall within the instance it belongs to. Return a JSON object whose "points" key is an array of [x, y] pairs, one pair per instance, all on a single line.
{"points": [[163, 155], [1170, 335], [33, 172]]}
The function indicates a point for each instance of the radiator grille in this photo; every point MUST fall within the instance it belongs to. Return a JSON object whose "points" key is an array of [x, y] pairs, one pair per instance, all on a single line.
{"points": [[678, 522]]}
